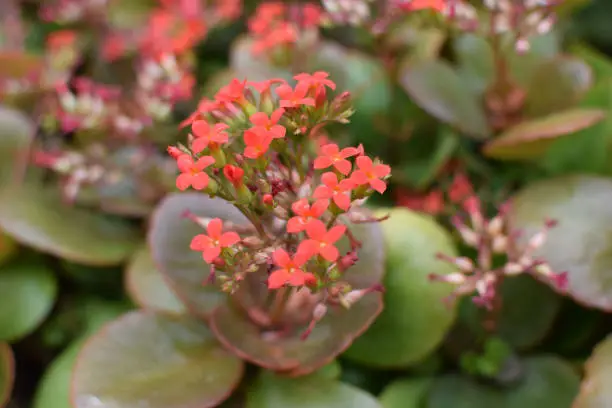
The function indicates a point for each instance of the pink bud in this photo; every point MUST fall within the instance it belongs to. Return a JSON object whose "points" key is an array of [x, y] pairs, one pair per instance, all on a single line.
{"points": [[174, 152]]}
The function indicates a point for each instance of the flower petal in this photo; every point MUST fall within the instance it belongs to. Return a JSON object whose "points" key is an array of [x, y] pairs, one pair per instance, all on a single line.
{"points": [[316, 230], [228, 239], [335, 234], [214, 228], [278, 278], [183, 181], [199, 181], [329, 252], [281, 258], [211, 253]]}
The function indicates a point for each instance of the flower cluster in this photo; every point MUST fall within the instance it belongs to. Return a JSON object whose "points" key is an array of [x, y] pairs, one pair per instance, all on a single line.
{"points": [[277, 26], [256, 146], [490, 237]]}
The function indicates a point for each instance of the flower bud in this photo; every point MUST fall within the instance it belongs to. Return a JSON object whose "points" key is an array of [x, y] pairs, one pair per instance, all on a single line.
{"points": [[234, 174], [174, 152]]}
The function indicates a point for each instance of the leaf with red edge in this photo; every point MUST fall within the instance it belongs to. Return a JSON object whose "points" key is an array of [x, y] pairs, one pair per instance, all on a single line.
{"points": [[531, 139], [35, 216], [287, 351], [581, 242], [155, 361], [595, 390], [7, 373], [16, 134], [146, 286], [169, 238]]}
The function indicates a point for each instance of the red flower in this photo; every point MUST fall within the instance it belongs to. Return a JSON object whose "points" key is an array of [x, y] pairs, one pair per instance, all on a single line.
{"points": [[234, 174], [193, 173], [233, 92], [331, 155], [337, 191], [305, 214], [257, 142], [261, 120], [460, 189], [61, 39], [371, 174], [321, 241], [290, 98], [175, 152], [289, 272], [212, 244], [316, 80], [413, 5], [208, 135]]}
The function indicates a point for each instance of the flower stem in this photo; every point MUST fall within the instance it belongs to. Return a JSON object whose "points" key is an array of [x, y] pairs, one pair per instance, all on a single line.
{"points": [[277, 309]]}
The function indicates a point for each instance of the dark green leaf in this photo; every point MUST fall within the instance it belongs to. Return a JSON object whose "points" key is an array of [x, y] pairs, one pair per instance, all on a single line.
{"points": [[595, 390], [406, 393]]}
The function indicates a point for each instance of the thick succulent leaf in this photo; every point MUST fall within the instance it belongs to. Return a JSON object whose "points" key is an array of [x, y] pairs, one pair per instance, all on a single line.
{"points": [[6, 373], [406, 393], [270, 390], [595, 389], [147, 287], [54, 389], [415, 318], [527, 314], [580, 243], [531, 139], [28, 291], [557, 84], [8, 248], [547, 382], [439, 89], [169, 238], [600, 64], [253, 67], [289, 353], [16, 132], [151, 360]]}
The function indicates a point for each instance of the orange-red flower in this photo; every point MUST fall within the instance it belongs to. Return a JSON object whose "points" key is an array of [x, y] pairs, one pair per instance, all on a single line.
{"points": [[257, 141], [232, 93], [316, 80], [290, 271], [211, 245], [371, 174], [305, 214], [331, 155], [321, 242], [413, 5], [192, 173], [334, 190], [206, 135], [61, 39], [271, 126], [290, 98], [233, 174]]}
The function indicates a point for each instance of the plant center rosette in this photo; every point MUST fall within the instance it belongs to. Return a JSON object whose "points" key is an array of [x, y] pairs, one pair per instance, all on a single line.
{"points": [[277, 225]]}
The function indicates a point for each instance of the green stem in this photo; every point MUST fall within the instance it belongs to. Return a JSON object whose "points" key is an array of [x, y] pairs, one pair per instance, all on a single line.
{"points": [[281, 297]]}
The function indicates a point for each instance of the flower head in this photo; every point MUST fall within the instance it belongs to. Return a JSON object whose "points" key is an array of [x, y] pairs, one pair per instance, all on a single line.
{"points": [[270, 125], [192, 173], [321, 242], [211, 245], [207, 135], [305, 214], [371, 174], [289, 271], [257, 141], [335, 190], [331, 155]]}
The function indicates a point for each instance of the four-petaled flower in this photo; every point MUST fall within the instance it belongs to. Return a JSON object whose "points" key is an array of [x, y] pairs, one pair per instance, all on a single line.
{"points": [[290, 271], [211, 245], [368, 173], [305, 214], [290, 98], [316, 80], [233, 92], [207, 135], [261, 120], [257, 141], [321, 241], [337, 191], [331, 155], [192, 173]]}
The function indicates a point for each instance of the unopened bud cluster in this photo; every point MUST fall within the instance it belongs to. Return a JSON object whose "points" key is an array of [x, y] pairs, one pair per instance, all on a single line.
{"points": [[494, 237]]}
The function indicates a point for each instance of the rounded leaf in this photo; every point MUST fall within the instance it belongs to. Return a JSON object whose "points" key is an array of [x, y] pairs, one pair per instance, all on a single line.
{"points": [[415, 318], [16, 133], [440, 91], [547, 382], [36, 216], [288, 352], [146, 286], [152, 360], [580, 243], [595, 389], [270, 390], [406, 393], [531, 139], [169, 238], [7, 373], [28, 292]]}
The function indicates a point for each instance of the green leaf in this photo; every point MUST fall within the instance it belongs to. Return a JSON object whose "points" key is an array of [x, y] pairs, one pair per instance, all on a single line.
{"points": [[415, 318], [531, 139], [595, 389], [406, 393], [152, 360], [270, 390], [289, 353], [439, 90], [547, 382], [527, 315], [600, 64], [28, 292], [54, 389], [7, 373], [580, 244], [146, 286], [557, 84], [170, 235], [16, 133], [36, 216]]}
